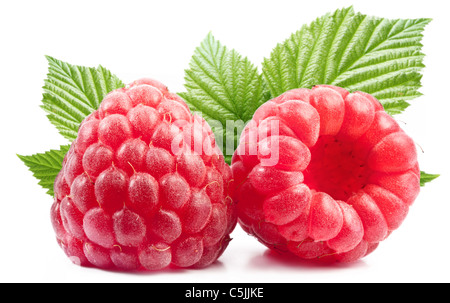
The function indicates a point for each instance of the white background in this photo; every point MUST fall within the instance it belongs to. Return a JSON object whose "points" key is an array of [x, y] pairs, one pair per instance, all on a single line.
{"points": [[156, 39]]}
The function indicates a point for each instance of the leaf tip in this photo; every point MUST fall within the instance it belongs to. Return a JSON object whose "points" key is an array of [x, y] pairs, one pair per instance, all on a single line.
{"points": [[425, 178], [50, 58], [22, 158], [210, 37]]}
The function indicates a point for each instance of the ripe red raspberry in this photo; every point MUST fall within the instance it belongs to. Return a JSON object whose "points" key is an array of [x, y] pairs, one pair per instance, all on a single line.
{"points": [[324, 174], [143, 186]]}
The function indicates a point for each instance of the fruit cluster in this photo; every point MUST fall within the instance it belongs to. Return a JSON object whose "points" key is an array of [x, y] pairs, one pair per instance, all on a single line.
{"points": [[135, 192], [321, 174], [342, 177]]}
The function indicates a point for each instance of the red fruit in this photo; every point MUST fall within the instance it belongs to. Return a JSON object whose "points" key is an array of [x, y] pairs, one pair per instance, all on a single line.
{"points": [[135, 191], [325, 217], [332, 181]]}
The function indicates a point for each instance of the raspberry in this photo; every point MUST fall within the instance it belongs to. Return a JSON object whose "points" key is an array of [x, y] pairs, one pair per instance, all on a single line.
{"points": [[324, 174], [135, 193]]}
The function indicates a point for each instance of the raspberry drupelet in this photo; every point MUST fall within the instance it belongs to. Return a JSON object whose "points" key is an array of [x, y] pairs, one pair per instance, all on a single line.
{"points": [[334, 178], [143, 186]]}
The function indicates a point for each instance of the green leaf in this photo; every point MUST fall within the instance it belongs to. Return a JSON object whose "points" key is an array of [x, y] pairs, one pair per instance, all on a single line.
{"points": [[46, 166], [72, 92], [224, 87], [394, 108], [355, 51], [425, 178]]}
